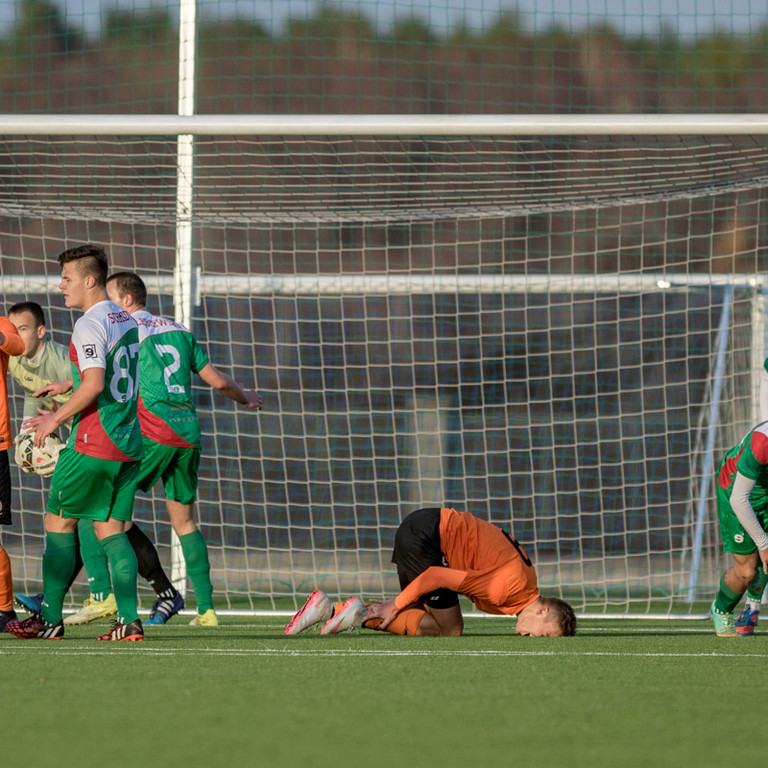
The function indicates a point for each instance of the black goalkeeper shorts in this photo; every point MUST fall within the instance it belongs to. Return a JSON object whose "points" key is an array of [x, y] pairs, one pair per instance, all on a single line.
{"points": [[417, 547]]}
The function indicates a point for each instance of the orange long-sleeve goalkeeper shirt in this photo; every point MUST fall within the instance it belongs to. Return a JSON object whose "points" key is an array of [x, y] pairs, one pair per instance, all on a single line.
{"points": [[12, 346], [484, 564]]}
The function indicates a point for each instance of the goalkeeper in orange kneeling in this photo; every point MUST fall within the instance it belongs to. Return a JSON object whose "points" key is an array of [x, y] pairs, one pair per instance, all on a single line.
{"points": [[441, 553]]}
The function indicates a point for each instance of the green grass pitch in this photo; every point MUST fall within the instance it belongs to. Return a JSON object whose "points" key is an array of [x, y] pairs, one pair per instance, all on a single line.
{"points": [[620, 693]]}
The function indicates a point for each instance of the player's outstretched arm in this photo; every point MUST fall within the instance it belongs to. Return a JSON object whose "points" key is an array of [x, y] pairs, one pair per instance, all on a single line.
{"points": [[90, 387], [229, 387], [54, 388]]}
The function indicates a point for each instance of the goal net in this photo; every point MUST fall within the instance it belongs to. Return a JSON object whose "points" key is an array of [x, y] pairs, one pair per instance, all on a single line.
{"points": [[561, 333]]}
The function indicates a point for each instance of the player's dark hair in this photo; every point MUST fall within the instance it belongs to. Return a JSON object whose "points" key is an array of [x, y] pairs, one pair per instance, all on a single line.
{"points": [[562, 613], [91, 260], [29, 306], [130, 283]]}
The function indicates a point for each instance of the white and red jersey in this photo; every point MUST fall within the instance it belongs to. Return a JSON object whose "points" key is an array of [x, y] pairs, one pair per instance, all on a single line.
{"points": [[107, 337]]}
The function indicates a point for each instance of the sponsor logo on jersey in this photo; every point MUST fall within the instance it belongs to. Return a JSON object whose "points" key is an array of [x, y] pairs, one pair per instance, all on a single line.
{"points": [[119, 317], [158, 322]]}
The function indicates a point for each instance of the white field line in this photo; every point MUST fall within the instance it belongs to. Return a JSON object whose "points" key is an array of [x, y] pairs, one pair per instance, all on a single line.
{"points": [[268, 613], [44, 649]]}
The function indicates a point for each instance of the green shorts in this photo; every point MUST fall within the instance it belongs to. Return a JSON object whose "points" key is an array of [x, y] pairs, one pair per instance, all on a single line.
{"points": [[87, 488], [176, 467], [735, 539]]}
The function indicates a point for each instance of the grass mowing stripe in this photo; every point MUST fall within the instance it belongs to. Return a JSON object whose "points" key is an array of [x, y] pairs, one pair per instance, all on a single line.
{"points": [[381, 653]]}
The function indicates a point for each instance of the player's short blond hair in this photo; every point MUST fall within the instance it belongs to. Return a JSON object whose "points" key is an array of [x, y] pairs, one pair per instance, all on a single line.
{"points": [[562, 614]]}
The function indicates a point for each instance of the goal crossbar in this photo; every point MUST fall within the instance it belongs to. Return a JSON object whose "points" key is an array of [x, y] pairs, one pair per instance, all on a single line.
{"points": [[383, 125], [394, 284]]}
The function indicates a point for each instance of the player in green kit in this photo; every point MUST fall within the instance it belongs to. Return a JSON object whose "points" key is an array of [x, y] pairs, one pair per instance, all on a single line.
{"points": [[168, 357], [742, 506], [44, 373], [97, 472], [747, 621]]}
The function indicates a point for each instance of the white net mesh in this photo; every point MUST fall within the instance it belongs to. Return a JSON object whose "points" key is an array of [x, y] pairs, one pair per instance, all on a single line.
{"points": [[523, 328]]}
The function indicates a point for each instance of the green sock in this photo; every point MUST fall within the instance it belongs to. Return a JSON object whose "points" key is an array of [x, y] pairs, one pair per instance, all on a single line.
{"points": [[94, 561], [122, 562], [58, 561], [195, 553], [757, 585], [726, 599]]}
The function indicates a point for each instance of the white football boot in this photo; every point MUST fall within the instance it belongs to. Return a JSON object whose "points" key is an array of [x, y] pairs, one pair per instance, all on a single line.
{"points": [[317, 608], [349, 617]]}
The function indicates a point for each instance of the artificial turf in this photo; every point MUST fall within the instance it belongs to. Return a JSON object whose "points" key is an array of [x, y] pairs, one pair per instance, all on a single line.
{"points": [[620, 693]]}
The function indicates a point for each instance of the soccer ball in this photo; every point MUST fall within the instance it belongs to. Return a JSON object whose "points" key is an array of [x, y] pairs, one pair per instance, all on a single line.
{"points": [[41, 461]]}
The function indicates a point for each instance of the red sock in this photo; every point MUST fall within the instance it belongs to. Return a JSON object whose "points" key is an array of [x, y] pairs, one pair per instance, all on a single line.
{"points": [[6, 582]]}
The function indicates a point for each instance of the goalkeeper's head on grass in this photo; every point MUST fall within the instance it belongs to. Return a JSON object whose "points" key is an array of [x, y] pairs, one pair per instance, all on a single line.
{"points": [[441, 553]]}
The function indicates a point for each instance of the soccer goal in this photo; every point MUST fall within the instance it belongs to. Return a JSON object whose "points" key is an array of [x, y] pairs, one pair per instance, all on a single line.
{"points": [[556, 323]]}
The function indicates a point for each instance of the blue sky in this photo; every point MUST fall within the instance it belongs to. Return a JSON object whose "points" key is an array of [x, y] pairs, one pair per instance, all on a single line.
{"points": [[689, 17]]}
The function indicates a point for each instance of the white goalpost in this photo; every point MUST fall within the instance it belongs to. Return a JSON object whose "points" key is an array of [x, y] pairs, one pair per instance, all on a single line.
{"points": [[554, 322]]}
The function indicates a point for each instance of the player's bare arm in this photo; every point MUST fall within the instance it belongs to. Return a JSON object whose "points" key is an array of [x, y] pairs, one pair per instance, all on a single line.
{"points": [[230, 388], [55, 388], [385, 611], [49, 421], [763, 553]]}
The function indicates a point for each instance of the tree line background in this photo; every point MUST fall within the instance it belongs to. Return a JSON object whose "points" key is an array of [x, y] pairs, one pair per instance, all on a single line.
{"points": [[337, 61]]}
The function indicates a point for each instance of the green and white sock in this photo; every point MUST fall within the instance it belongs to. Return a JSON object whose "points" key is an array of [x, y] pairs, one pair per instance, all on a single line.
{"points": [[755, 591], [195, 553], [122, 562], [726, 599], [58, 560], [94, 561]]}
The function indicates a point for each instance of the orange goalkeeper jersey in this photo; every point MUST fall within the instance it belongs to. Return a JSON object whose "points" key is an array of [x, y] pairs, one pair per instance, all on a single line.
{"points": [[484, 564], [13, 346]]}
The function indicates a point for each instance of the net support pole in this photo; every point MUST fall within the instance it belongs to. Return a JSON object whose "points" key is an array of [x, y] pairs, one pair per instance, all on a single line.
{"points": [[183, 276], [707, 461], [759, 340], [759, 351]]}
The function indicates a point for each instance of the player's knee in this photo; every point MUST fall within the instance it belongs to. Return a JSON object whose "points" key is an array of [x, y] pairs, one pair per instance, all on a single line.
{"points": [[744, 573], [453, 628]]}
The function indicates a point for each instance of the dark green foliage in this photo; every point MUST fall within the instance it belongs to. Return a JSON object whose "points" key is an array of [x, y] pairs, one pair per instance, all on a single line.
{"points": [[338, 60]]}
